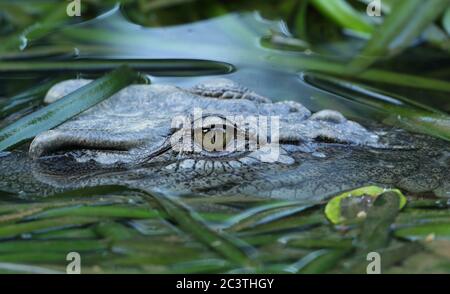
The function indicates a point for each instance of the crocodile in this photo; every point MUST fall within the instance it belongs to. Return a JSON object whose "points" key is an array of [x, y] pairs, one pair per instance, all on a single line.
{"points": [[131, 139]]}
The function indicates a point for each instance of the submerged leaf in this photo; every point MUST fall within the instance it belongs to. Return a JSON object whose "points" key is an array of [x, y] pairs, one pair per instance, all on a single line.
{"points": [[439, 231]]}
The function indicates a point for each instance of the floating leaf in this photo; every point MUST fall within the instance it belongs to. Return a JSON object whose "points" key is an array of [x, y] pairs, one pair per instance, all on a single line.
{"points": [[12, 230], [333, 209]]}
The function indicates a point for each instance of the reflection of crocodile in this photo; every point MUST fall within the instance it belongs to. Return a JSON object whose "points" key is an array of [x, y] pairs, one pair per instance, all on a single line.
{"points": [[129, 139]]}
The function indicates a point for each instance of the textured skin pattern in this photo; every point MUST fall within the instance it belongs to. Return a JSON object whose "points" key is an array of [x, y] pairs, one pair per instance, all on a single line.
{"points": [[125, 140]]}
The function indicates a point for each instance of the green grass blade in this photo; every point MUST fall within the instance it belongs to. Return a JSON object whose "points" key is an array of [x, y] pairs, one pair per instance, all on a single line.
{"points": [[370, 75], [230, 248], [317, 262], [440, 231], [375, 231], [446, 21], [57, 113], [411, 115], [344, 15], [63, 246], [29, 98], [110, 212], [28, 227], [56, 17], [429, 12], [399, 29]]}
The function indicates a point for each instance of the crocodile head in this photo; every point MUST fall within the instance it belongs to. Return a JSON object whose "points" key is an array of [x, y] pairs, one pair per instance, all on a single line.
{"points": [[219, 138]]}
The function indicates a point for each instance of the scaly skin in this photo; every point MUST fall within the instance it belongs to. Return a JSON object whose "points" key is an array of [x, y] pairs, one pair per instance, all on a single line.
{"points": [[127, 140]]}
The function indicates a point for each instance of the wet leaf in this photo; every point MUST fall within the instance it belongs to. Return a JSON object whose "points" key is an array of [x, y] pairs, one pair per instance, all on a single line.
{"points": [[52, 246], [446, 21], [26, 269], [438, 231], [233, 249], [344, 15], [375, 232], [317, 262], [399, 111], [399, 29], [12, 230], [57, 113], [333, 209], [27, 99]]}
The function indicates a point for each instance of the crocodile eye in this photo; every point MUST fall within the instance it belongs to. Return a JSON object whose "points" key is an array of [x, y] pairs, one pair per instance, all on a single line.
{"points": [[214, 136]]}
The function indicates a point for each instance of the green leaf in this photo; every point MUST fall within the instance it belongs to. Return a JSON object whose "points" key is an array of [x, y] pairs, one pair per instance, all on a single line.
{"points": [[375, 231], [26, 269], [233, 249], [56, 113], [29, 98], [64, 246], [399, 29], [333, 209], [446, 21], [344, 15], [110, 212], [238, 45], [411, 115], [319, 261], [28, 227], [51, 21], [440, 231]]}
